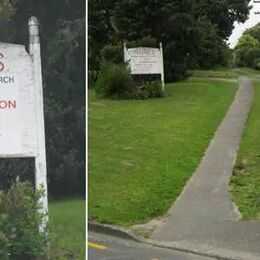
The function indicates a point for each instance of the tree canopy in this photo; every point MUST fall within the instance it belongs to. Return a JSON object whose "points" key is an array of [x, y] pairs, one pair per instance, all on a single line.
{"points": [[193, 32], [247, 50]]}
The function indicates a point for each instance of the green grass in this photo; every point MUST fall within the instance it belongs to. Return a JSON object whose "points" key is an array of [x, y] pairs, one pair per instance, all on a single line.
{"points": [[245, 184], [141, 153], [226, 73], [67, 227]]}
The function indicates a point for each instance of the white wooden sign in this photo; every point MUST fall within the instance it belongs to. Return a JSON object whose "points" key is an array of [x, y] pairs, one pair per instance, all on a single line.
{"points": [[17, 103], [22, 130], [144, 60]]}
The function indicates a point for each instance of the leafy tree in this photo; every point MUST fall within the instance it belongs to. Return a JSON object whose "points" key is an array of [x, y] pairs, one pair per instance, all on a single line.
{"points": [[254, 31], [100, 29], [245, 45], [192, 32]]}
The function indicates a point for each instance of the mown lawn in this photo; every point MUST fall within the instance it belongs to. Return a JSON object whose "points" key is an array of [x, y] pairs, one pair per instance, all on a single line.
{"points": [[67, 229], [141, 153], [227, 73], [245, 184]]}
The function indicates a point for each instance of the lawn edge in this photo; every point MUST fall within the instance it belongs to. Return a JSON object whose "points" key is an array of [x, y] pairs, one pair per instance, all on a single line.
{"points": [[113, 230]]}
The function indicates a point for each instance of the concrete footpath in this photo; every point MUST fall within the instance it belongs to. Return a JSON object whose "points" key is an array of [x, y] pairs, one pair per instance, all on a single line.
{"points": [[204, 218]]}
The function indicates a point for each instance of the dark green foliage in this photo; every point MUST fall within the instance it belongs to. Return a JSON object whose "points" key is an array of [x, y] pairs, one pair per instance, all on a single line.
{"points": [[251, 56], [192, 32], [115, 81], [113, 54], [147, 41], [150, 89], [19, 222], [92, 78], [256, 64]]}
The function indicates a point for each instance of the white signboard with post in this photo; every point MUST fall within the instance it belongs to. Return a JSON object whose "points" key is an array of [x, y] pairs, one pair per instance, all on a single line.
{"points": [[144, 60], [21, 107]]}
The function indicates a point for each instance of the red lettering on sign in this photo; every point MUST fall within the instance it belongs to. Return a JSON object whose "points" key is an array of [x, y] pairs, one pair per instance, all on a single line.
{"points": [[7, 104]]}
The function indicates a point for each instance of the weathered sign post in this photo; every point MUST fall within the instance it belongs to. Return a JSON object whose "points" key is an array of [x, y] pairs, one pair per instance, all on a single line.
{"points": [[40, 159], [143, 60], [22, 132]]}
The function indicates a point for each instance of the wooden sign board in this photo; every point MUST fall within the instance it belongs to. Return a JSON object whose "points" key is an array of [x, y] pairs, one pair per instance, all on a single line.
{"points": [[144, 60], [17, 103]]}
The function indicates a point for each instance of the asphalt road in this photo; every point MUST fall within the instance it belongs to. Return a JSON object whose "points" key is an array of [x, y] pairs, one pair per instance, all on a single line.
{"points": [[110, 248]]}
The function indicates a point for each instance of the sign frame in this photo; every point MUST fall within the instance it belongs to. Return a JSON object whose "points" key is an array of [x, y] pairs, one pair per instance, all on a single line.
{"points": [[33, 67], [157, 59]]}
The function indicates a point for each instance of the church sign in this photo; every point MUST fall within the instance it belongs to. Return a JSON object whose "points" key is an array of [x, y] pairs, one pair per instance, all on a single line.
{"points": [[22, 130], [17, 103], [144, 60]]}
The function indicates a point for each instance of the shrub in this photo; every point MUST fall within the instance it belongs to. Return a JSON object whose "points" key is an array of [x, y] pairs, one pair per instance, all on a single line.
{"points": [[92, 78], [115, 81], [150, 89], [251, 56], [257, 64], [113, 53], [19, 223]]}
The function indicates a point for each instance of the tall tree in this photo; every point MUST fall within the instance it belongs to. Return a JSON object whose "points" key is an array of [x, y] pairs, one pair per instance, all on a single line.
{"points": [[191, 31]]}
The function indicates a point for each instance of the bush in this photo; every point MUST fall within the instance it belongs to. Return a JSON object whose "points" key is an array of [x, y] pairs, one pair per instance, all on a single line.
{"points": [[113, 53], [115, 81], [257, 64], [150, 89], [19, 223], [92, 78], [251, 56]]}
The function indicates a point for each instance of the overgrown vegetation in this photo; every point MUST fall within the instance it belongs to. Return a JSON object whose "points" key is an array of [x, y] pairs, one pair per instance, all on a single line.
{"points": [[116, 82], [246, 179], [142, 152], [193, 33], [19, 223]]}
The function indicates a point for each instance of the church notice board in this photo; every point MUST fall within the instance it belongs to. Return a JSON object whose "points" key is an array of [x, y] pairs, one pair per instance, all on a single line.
{"points": [[17, 103]]}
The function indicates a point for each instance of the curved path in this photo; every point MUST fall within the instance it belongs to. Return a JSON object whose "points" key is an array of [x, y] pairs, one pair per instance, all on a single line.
{"points": [[204, 219]]}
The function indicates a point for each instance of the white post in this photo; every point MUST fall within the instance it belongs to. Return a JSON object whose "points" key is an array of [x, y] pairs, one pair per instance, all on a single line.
{"points": [[40, 160], [125, 51], [162, 68]]}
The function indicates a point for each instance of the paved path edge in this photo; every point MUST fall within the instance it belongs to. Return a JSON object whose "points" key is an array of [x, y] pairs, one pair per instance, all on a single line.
{"points": [[113, 231], [205, 250], [196, 249]]}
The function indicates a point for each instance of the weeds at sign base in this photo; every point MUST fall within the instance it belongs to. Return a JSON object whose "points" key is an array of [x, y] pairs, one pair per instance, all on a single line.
{"points": [[19, 223]]}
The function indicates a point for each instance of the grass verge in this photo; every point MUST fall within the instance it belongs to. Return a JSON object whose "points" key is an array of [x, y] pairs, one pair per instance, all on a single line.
{"points": [[141, 153], [245, 184], [226, 73], [67, 228]]}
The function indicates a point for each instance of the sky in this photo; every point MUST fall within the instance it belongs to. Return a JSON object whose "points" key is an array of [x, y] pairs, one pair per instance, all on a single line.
{"points": [[240, 28]]}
